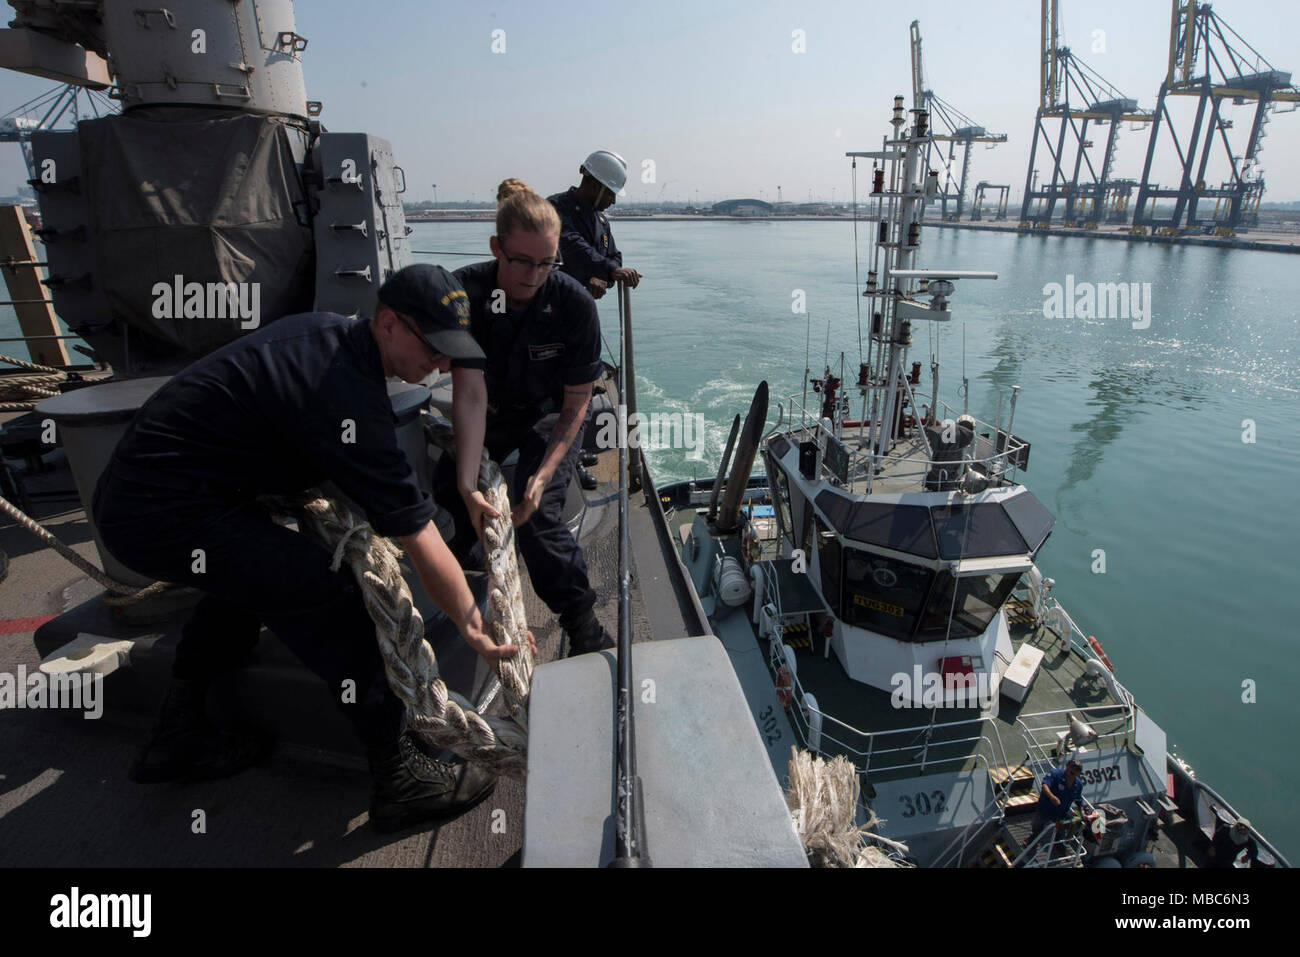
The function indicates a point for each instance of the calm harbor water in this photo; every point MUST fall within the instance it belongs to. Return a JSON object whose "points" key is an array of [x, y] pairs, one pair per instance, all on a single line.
{"points": [[1137, 436]]}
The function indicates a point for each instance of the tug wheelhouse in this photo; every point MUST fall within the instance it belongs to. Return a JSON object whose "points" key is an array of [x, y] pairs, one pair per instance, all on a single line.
{"points": [[911, 579]]}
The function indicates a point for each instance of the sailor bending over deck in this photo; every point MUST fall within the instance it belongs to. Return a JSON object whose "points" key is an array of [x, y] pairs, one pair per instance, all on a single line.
{"points": [[278, 412], [541, 335]]}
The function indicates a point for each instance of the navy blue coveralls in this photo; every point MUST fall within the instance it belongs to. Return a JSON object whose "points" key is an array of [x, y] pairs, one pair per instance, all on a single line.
{"points": [[267, 414], [586, 244], [530, 356], [1048, 812]]}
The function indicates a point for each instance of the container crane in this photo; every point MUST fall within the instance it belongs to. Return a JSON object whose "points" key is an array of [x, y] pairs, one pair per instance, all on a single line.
{"points": [[948, 125], [68, 103], [1212, 62], [1073, 95]]}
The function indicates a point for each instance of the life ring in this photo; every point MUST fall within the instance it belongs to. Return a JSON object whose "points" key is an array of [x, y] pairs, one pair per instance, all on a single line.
{"points": [[1101, 653], [785, 687]]}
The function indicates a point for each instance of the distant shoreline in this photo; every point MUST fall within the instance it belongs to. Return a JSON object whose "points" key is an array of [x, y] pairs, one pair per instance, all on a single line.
{"points": [[656, 217], [1258, 239]]}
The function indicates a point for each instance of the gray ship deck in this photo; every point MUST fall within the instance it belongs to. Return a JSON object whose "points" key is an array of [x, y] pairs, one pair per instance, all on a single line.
{"points": [[65, 800], [1061, 686]]}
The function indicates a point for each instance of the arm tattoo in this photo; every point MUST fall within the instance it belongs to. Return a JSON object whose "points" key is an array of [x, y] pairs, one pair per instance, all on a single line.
{"points": [[567, 425]]}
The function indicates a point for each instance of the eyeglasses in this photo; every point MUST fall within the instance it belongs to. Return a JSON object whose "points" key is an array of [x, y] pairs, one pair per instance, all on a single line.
{"points": [[434, 353], [524, 262]]}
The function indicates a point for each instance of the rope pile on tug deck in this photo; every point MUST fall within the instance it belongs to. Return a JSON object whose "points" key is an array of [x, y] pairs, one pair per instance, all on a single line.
{"points": [[823, 801], [440, 717]]}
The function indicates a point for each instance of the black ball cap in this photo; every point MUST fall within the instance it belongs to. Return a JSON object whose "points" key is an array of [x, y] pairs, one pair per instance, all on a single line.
{"points": [[439, 305]]}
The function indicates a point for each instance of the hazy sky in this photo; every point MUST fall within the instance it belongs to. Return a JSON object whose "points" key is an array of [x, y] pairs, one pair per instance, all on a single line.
{"points": [[712, 90]]}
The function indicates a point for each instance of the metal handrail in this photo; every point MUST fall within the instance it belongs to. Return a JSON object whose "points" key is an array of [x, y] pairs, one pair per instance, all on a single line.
{"points": [[1044, 761], [948, 413], [1002, 752], [1079, 642], [863, 462], [1049, 731], [980, 820], [871, 759], [1033, 850], [771, 586], [864, 761]]}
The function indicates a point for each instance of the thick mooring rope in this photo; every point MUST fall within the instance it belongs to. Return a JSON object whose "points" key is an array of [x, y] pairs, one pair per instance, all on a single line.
{"points": [[116, 593], [438, 716], [24, 364], [505, 620], [432, 711], [823, 800]]}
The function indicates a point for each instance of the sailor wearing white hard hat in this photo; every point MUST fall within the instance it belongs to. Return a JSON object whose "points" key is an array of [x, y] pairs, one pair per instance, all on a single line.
{"points": [[586, 243]]}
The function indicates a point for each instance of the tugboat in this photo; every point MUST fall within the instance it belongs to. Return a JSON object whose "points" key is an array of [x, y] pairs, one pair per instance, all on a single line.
{"points": [[878, 593]]}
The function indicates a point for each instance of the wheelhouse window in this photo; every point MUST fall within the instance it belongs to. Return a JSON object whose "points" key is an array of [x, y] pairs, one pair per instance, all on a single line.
{"points": [[828, 557], [781, 500], [883, 594], [806, 530], [976, 531], [977, 600]]}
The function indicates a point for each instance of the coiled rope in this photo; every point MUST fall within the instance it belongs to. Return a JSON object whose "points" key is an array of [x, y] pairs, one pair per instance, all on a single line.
{"points": [[24, 390]]}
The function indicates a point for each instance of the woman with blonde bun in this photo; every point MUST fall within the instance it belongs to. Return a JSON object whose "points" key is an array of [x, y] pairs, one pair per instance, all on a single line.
{"points": [[509, 187], [540, 336]]}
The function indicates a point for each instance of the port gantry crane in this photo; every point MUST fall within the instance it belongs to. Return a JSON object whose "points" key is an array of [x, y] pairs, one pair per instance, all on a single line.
{"points": [[46, 112], [999, 208], [1074, 96], [947, 125], [1205, 62]]}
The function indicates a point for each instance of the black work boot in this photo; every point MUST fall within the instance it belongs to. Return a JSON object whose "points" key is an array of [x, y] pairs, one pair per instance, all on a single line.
{"points": [[412, 787], [587, 480], [185, 746], [586, 634], [587, 459]]}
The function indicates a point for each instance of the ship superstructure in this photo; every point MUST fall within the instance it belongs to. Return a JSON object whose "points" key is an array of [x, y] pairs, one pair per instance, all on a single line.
{"points": [[885, 566]]}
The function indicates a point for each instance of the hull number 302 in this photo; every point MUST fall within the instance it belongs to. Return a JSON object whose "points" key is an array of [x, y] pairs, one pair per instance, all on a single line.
{"points": [[770, 727], [922, 803]]}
